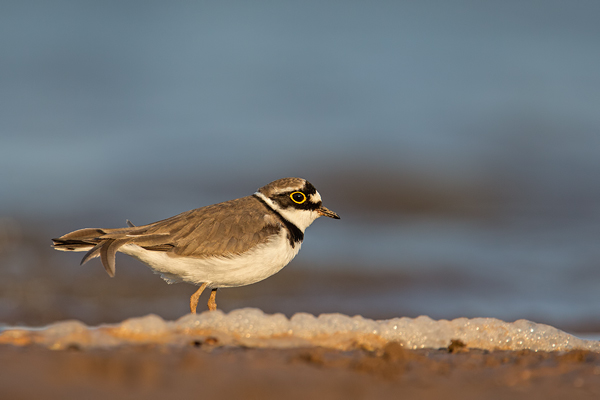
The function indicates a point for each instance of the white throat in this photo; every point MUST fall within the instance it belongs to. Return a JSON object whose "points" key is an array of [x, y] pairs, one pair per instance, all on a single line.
{"points": [[301, 218]]}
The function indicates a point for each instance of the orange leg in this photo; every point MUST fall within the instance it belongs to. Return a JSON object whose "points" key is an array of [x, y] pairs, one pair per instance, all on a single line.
{"points": [[195, 297], [212, 301]]}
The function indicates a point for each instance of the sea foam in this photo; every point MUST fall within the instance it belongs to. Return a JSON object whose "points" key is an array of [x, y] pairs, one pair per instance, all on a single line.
{"points": [[252, 328]]}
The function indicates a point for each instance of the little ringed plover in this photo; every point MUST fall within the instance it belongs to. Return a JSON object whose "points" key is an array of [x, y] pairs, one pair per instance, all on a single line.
{"points": [[229, 244]]}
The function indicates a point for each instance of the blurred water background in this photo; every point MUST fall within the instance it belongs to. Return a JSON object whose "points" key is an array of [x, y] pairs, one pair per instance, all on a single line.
{"points": [[458, 140]]}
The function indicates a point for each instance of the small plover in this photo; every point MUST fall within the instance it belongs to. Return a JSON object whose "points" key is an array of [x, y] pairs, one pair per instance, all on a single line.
{"points": [[229, 244]]}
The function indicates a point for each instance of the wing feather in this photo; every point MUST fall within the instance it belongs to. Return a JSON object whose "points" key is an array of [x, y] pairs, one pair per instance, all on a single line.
{"points": [[228, 228]]}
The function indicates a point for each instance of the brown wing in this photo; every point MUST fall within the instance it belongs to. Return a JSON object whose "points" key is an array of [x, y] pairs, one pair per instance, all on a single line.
{"points": [[228, 228]]}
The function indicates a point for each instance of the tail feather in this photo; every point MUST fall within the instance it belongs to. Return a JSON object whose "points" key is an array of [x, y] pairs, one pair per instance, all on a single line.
{"points": [[92, 253], [108, 253], [79, 240], [105, 243]]}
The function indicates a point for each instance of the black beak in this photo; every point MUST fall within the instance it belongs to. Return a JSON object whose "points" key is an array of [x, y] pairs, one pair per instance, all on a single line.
{"points": [[327, 212]]}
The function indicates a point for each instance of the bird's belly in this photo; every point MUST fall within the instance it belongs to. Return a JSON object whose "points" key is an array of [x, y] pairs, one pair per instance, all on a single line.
{"points": [[231, 271]]}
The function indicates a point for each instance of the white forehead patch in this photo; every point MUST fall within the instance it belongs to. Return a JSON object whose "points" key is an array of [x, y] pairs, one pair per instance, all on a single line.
{"points": [[315, 198]]}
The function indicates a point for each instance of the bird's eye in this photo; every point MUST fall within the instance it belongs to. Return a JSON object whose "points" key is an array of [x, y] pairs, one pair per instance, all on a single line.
{"points": [[298, 197]]}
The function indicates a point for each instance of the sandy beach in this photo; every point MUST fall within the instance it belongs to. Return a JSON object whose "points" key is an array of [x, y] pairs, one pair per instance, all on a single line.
{"points": [[207, 370]]}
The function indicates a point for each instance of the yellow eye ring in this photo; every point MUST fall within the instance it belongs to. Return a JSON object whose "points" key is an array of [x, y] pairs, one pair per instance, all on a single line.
{"points": [[298, 197]]}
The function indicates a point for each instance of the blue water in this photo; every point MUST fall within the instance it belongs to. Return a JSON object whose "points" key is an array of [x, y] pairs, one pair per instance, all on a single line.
{"points": [[142, 110]]}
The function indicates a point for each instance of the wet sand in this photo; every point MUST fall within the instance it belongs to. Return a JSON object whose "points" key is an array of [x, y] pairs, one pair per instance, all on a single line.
{"points": [[203, 369]]}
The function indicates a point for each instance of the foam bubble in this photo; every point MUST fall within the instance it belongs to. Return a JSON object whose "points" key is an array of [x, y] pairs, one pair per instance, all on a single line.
{"points": [[151, 324]]}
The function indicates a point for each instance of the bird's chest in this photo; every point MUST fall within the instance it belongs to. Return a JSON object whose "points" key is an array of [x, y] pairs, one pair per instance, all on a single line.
{"points": [[256, 264]]}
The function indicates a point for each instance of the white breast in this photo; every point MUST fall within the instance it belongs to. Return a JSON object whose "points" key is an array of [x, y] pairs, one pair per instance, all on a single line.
{"points": [[250, 267]]}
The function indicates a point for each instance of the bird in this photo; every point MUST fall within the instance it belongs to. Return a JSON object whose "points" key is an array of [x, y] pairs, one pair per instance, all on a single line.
{"points": [[230, 244]]}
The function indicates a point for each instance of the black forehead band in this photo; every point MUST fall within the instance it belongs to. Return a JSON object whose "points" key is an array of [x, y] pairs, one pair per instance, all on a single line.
{"points": [[309, 188]]}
